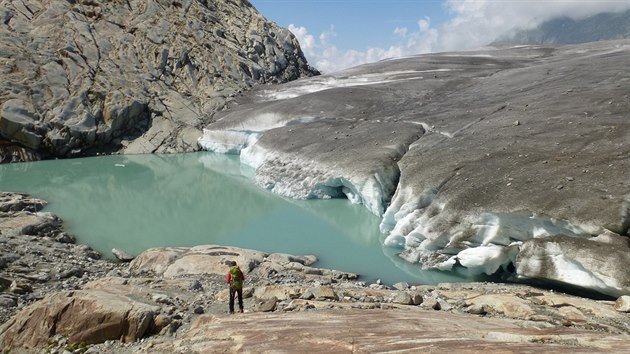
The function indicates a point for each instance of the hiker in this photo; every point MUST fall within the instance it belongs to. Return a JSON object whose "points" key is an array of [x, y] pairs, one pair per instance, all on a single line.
{"points": [[235, 278]]}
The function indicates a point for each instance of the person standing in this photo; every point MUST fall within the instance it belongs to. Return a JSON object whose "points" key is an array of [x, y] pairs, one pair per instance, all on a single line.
{"points": [[235, 279]]}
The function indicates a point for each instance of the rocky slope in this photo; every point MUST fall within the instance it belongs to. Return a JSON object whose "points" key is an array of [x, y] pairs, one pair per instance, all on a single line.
{"points": [[174, 300], [82, 77], [511, 161], [565, 30]]}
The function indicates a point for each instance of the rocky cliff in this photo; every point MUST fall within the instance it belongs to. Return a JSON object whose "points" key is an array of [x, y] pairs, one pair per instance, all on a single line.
{"points": [[81, 77]]}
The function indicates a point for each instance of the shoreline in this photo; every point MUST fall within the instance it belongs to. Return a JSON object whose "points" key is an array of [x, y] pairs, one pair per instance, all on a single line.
{"points": [[184, 293]]}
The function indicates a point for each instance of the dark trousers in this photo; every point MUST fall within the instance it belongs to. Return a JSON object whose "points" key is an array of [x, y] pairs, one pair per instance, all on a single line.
{"points": [[240, 299]]}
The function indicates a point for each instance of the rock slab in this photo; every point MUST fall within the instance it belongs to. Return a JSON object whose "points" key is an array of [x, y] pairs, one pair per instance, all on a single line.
{"points": [[83, 316]]}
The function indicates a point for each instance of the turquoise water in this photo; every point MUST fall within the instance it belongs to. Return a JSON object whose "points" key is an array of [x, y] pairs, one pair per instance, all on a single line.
{"points": [[135, 202]]}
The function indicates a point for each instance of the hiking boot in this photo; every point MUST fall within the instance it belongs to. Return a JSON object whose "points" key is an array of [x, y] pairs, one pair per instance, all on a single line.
{"points": [[241, 311]]}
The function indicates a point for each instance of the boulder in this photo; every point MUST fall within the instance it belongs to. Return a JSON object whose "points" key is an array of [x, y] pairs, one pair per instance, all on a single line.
{"points": [[622, 304], [88, 316], [278, 292], [267, 305], [416, 298], [208, 259], [31, 224], [20, 202], [284, 259], [7, 301], [323, 293], [403, 298], [508, 305], [122, 255], [401, 286], [432, 303]]}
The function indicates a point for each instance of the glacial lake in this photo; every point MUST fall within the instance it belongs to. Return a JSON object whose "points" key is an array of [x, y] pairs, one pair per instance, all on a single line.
{"points": [[135, 202]]}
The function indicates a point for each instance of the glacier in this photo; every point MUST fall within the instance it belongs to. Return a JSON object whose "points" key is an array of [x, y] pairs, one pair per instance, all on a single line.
{"points": [[475, 160]]}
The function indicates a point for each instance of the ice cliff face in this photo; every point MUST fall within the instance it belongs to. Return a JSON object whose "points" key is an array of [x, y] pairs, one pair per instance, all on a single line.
{"points": [[478, 160], [80, 77]]}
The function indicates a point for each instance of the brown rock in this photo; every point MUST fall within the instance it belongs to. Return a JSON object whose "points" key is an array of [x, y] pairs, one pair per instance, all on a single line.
{"points": [[209, 259], [20, 287], [403, 298], [416, 298], [160, 321], [268, 305], [89, 316], [623, 304], [369, 331], [278, 292], [324, 293], [507, 304], [432, 303]]}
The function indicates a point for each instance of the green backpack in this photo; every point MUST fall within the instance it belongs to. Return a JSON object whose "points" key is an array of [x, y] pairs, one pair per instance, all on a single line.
{"points": [[236, 278]]}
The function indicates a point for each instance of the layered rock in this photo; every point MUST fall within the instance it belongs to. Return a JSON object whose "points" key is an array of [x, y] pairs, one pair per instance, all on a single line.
{"points": [[175, 299], [170, 262], [189, 312], [485, 149], [82, 316], [38, 256], [81, 77], [399, 330]]}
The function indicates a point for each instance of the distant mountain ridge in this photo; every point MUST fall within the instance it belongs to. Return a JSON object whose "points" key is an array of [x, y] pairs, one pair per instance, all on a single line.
{"points": [[565, 30]]}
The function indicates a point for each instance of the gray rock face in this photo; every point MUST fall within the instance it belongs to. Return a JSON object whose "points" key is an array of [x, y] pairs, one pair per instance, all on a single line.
{"points": [[565, 30], [466, 156], [80, 77], [84, 316]]}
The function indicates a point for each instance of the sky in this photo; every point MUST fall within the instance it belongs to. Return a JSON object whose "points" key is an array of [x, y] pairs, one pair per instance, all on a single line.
{"points": [[337, 34]]}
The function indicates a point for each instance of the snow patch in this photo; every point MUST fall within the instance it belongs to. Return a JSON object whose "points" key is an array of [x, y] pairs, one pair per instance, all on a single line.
{"points": [[486, 259], [245, 133], [570, 271], [329, 82], [227, 141]]}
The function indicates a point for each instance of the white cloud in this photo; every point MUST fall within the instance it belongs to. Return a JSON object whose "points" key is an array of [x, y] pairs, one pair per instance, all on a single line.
{"points": [[478, 22], [473, 23], [307, 41], [401, 31], [424, 24], [325, 37]]}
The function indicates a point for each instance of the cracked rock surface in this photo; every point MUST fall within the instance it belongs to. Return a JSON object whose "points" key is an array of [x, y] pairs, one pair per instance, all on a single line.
{"points": [[81, 77], [58, 297], [485, 150]]}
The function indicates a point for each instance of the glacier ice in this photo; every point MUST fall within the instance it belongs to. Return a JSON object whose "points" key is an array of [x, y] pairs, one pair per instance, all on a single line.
{"points": [[227, 141], [483, 242], [486, 259], [328, 82]]}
